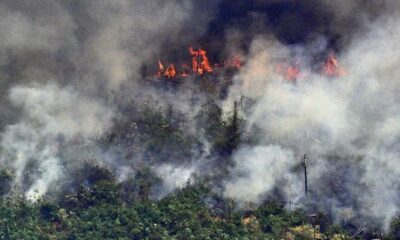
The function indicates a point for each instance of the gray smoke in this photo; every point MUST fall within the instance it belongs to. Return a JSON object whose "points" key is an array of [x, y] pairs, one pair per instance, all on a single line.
{"points": [[51, 115], [349, 126], [69, 69], [257, 170]]}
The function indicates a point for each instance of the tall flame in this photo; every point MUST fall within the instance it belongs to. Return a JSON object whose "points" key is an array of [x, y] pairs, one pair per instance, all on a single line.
{"points": [[332, 67], [170, 72], [160, 69], [200, 62], [160, 65], [200, 65], [289, 72]]}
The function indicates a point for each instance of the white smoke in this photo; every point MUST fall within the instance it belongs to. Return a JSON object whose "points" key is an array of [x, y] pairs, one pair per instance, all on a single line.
{"points": [[95, 51], [174, 177], [130, 34], [352, 117], [67, 72], [52, 116], [257, 170]]}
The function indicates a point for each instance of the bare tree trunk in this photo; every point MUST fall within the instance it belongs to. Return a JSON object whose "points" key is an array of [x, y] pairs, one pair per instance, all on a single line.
{"points": [[305, 180]]}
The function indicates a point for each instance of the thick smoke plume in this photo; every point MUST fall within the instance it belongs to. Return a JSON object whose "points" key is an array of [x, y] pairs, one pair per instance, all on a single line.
{"points": [[68, 71], [71, 72], [348, 126], [53, 117]]}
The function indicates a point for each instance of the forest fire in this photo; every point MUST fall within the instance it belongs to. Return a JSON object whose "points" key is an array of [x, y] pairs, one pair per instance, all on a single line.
{"points": [[170, 72], [160, 69], [200, 65], [332, 68], [289, 72], [187, 119]]}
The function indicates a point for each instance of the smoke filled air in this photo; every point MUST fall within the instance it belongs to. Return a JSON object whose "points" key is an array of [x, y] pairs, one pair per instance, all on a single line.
{"points": [[290, 102]]}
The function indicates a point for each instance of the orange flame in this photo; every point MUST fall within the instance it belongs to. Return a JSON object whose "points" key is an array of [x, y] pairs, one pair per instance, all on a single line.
{"points": [[200, 63], [289, 72], [170, 72], [332, 67], [160, 68], [160, 65]]}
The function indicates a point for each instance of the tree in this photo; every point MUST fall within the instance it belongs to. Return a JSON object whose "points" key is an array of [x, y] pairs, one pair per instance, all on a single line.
{"points": [[5, 182]]}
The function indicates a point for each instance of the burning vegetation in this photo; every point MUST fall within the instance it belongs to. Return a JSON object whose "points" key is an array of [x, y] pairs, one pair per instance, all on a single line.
{"points": [[280, 121], [332, 68], [200, 65], [288, 71]]}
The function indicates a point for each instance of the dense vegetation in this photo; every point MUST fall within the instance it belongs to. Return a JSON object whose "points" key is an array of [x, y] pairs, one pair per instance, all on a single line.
{"points": [[100, 212], [104, 211], [94, 205]]}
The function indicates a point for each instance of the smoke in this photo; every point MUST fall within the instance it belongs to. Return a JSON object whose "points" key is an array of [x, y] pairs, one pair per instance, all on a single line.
{"points": [[130, 34], [53, 117], [70, 71], [256, 171], [342, 123], [174, 177]]}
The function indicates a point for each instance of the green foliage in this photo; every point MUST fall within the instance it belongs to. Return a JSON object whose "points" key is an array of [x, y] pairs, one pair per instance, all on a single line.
{"points": [[232, 133], [274, 219], [194, 212], [102, 189], [160, 135], [21, 220], [394, 232], [224, 134], [98, 207], [139, 187], [5, 182]]}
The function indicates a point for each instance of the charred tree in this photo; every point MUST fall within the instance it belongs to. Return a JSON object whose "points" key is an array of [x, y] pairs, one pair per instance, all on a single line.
{"points": [[306, 181], [232, 133]]}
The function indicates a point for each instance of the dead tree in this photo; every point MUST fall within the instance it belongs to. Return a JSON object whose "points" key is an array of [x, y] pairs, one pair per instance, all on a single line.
{"points": [[305, 178]]}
